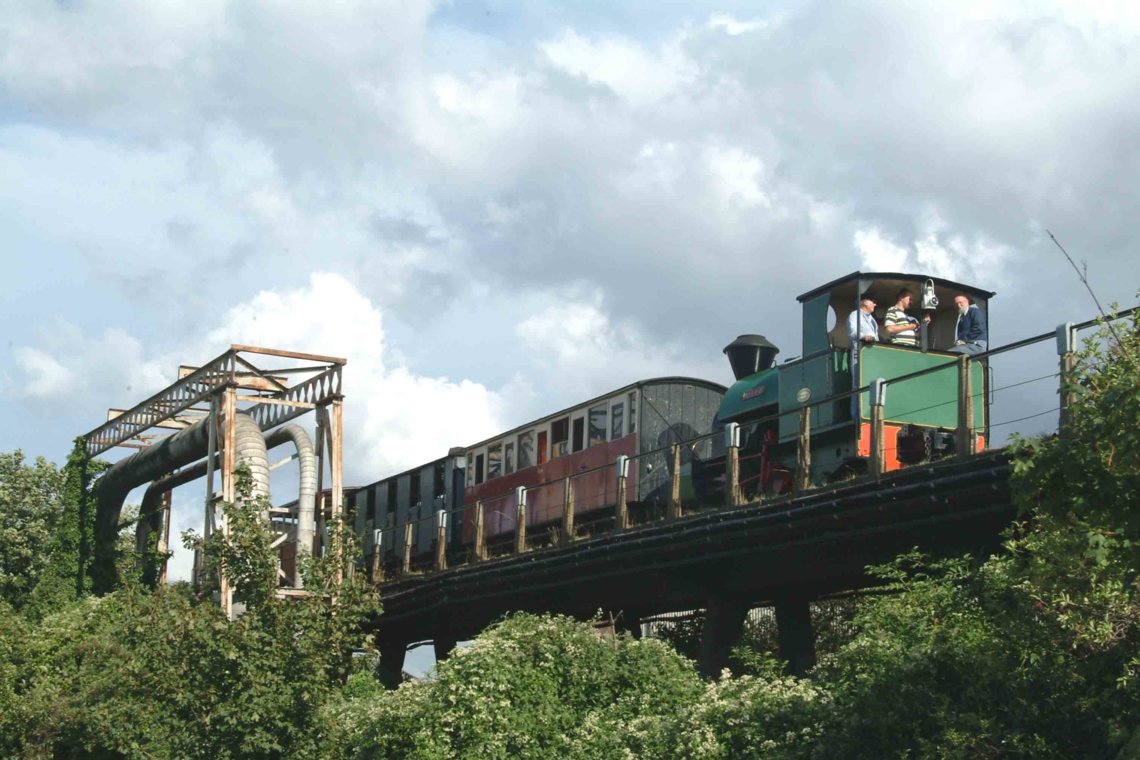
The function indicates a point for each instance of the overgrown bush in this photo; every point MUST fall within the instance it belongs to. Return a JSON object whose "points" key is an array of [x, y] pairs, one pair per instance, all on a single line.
{"points": [[529, 687]]}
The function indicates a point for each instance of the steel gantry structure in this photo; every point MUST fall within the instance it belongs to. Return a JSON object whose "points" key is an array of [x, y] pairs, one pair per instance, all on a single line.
{"points": [[215, 417]]}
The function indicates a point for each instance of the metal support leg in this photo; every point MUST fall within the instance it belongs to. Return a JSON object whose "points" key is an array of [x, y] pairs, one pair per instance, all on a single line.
{"points": [[724, 620], [795, 634], [391, 670]]}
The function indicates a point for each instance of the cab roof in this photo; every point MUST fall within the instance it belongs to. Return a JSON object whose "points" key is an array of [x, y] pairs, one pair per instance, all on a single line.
{"points": [[855, 277]]}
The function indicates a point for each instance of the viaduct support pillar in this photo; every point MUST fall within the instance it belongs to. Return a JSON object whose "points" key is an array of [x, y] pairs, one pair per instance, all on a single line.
{"points": [[795, 634], [724, 620], [392, 655], [443, 643]]}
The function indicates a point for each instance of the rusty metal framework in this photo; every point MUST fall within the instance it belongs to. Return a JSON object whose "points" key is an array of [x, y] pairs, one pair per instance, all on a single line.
{"points": [[219, 389], [274, 400]]}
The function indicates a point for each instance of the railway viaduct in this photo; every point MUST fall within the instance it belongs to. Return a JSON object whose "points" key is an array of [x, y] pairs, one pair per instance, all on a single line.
{"points": [[783, 552]]}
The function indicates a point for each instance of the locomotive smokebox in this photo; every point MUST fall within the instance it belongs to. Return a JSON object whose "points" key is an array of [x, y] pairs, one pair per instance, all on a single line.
{"points": [[749, 354]]}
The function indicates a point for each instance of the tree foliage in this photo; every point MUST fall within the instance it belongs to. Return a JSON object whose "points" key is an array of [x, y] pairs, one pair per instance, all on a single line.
{"points": [[68, 551], [529, 687], [145, 674], [30, 509]]}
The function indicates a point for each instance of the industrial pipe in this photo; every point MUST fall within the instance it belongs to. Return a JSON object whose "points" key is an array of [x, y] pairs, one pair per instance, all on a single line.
{"points": [[307, 462], [178, 450]]}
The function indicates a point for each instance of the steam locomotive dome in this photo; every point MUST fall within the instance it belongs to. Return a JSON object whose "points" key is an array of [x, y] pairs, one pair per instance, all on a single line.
{"points": [[753, 360]]}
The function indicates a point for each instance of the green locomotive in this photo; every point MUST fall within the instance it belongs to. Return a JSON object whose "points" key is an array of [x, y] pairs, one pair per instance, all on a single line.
{"points": [[919, 414]]}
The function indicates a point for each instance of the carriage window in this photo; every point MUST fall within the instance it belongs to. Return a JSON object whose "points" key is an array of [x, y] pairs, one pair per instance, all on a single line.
{"points": [[478, 469], [579, 433], [392, 492], [438, 477], [526, 449], [414, 497], [560, 437], [494, 461], [617, 421], [633, 413], [371, 501], [598, 425], [508, 458], [542, 447]]}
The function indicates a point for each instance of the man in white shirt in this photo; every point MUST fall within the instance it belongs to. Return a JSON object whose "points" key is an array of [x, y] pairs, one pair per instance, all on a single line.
{"points": [[861, 329]]}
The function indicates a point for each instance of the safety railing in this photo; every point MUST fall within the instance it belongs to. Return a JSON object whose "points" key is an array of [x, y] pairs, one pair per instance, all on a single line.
{"points": [[650, 487]]}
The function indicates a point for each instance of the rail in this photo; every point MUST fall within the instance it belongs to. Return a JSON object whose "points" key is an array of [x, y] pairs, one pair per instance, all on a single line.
{"points": [[599, 500]]}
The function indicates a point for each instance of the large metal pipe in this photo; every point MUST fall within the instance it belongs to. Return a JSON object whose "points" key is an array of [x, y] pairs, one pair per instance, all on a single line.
{"points": [[307, 463], [178, 450], [307, 495]]}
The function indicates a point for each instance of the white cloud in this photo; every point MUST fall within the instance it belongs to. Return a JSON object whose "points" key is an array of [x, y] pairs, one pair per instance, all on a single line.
{"points": [[690, 173], [44, 376], [877, 253], [632, 71], [936, 250], [733, 26], [583, 352], [740, 175]]}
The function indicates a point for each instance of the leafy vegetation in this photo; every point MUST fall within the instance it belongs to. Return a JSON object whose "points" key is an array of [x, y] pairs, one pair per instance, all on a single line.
{"points": [[30, 509], [529, 687]]}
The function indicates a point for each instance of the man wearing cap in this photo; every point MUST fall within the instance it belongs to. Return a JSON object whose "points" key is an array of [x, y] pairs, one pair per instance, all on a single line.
{"points": [[861, 328], [970, 334]]}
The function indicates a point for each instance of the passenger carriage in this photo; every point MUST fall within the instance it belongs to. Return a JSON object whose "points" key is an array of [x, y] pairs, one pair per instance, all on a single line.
{"points": [[582, 442]]}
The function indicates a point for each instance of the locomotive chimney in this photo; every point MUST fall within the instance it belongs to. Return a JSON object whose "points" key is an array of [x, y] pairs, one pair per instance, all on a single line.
{"points": [[749, 354]]}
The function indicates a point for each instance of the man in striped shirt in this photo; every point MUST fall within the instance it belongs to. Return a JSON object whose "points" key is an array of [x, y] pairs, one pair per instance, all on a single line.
{"points": [[901, 328]]}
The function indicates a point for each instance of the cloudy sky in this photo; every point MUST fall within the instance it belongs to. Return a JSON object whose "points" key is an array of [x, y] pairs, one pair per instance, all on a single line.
{"points": [[496, 209]]}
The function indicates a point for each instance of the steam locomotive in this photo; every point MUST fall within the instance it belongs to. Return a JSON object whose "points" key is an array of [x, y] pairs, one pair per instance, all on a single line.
{"points": [[641, 422]]}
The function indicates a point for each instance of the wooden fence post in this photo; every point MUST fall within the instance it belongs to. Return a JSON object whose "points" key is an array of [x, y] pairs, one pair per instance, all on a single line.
{"points": [[1066, 338], [964, 440], [376, 572], [480, 536], [732, 494], [409, 532], [878, 399], [675, 483], [567, 513], [803, 452], [621, 514], [520, 520], [441, 540]]}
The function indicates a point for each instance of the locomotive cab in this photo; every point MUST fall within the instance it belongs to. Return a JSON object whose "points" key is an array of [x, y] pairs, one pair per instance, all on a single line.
{"points": [[919, 413]]}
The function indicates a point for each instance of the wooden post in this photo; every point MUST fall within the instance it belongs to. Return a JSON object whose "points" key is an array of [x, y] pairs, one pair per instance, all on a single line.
{"points": [[621, 514], [376, 572], [803, 452], [965, 433], [211, 500], [732, 494], [409, 534], [335, 470], [675, 483], [441, 540], [480, 537], [878, 399], [567, 513], [520, 520], [1066, 337], [229, 487], [164, 537], [319, 507]]}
